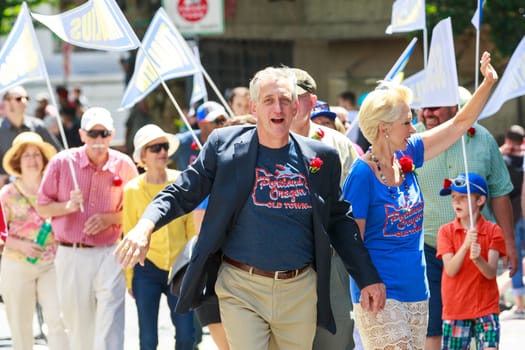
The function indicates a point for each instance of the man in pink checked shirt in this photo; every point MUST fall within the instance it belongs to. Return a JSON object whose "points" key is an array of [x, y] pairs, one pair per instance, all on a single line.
{"points": [[87, 224]]}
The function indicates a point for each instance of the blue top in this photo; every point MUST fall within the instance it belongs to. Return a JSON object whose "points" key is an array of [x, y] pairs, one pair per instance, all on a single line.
{"points": [[185, 155], [394, 226], [274, 230]]}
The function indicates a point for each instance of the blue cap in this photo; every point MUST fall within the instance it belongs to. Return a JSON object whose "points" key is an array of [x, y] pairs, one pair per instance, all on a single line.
{"points": [[477, 184], [321, 108], [209, 111]]}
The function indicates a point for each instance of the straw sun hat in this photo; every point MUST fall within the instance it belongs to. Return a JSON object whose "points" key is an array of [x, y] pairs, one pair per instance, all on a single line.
{"points": [[148, 133], [23, 139]]}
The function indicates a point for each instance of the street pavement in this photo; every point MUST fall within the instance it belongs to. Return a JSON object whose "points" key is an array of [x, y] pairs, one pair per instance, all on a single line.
{"points": [[512, 331]]}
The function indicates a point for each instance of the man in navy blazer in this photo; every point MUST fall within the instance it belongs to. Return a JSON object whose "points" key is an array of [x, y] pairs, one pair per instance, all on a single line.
{"points": [[273, 211]]}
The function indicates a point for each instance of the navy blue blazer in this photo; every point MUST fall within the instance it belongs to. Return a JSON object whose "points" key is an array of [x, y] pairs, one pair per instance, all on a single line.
{"points": [[225, 170]]}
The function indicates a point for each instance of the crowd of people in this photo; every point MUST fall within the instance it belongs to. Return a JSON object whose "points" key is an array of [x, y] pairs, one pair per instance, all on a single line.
{"points": [[296, 229]]}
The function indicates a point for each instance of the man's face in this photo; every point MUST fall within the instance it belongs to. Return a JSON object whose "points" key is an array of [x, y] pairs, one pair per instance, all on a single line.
{"points": [[433, 116], [274, 111], [324, 121], [17, 101], [304, 109], [241, 104], [97, 140]]}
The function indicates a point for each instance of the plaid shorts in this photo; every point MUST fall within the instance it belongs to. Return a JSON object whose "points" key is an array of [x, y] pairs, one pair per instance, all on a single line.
{"points": [[457, 334]]}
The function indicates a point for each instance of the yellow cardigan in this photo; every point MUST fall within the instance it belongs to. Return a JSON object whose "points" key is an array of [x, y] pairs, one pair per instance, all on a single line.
{"points": [[166, 243]]}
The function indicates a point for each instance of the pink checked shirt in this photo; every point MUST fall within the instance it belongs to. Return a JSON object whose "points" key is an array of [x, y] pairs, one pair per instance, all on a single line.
{"points": [[101, 193]]}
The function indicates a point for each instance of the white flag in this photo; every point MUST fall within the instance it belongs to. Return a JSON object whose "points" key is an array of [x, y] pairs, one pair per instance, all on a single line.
{"points": [[170, 56], [20, 57], [96, 24], [478, 17], [441, 77], [407, 15], [512, 83], [416, 83], [401, 62], [199, 88]]}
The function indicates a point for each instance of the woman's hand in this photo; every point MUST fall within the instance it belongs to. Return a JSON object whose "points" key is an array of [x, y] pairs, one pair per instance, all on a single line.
{"points": [[489, 73]]}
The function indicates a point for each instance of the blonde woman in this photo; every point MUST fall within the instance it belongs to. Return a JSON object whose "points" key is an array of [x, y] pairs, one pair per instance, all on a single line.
{"points": [[152, 148], [25, 283]]}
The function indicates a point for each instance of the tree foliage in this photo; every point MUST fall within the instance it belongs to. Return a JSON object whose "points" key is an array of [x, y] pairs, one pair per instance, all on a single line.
{"points": [[502, 19], [9, 10]]}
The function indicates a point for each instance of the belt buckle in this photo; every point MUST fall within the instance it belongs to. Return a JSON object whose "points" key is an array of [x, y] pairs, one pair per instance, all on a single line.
{"points": [[276, 275]]}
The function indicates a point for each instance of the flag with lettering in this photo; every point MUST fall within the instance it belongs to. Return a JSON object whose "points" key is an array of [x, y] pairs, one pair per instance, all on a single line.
{"points": [[415, 83], [441, 77], [511, 84], [164, 54], [401, 62], [96, 24], [199, 87], [20, 57], [407, 15]]}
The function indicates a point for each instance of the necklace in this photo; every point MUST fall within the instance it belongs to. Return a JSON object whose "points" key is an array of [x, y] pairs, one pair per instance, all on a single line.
{"points": [[383, 177]]}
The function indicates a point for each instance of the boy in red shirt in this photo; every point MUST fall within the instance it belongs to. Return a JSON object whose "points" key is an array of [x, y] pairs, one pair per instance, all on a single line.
{"points": [[470, 258]]}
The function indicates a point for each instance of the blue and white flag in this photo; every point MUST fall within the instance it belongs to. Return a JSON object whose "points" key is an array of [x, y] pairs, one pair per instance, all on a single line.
{"points": [[512, 83], [407, 15], [401, 62], [477, 18], [199, 87], [20, 58], [97, 24], [164, 53], [415, 83], [441, 77]]}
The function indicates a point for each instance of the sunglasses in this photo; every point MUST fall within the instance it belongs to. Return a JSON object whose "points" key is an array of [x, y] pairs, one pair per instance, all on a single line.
{"points": [[96, 133], [461, 182], [20, 98], [432, 109], [156, 148]]}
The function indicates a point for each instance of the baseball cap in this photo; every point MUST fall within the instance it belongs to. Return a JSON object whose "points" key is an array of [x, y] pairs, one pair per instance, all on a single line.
{"points": [[477, 184], [304, 82], [94, 116], [209, 111], [322, 108]]}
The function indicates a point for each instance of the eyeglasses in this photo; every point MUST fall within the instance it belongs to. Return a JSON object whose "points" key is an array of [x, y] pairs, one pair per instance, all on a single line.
{"points": [[156, 148], [20, 98], [96, 133], [462, 182]]}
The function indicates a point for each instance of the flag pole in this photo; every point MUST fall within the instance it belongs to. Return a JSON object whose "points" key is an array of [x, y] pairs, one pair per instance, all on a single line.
{"points": [[467, 181], [476, 64], [425, 46]]}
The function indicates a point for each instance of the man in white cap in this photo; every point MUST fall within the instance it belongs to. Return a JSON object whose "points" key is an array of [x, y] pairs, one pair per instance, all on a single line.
{"points": [[87, 224], [484, 159]]}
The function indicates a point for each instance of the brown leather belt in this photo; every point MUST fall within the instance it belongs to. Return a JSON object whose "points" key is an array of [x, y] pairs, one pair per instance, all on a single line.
{"points": [[277, 275], [75, 245]]}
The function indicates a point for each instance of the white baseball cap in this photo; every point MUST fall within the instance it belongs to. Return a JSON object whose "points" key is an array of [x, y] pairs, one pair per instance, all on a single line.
{"points": [[96, 116]]}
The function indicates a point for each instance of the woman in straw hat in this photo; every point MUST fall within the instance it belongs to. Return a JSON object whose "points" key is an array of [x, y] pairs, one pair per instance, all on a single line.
{"points": [[27, 282], [152, 148]]}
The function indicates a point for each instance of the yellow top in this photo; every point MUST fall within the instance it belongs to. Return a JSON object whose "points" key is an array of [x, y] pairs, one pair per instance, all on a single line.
{"points": [[166, 243]]}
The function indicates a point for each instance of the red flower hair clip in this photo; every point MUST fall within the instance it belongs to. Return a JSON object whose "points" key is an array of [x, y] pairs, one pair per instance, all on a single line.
{"points": [[117, 181], [318, 134], [315, 165]]}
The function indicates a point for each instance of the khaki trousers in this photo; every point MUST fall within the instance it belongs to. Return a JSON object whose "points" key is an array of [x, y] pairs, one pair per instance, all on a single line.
{"points": [[91, 291], [260, 313], [23, 285]]}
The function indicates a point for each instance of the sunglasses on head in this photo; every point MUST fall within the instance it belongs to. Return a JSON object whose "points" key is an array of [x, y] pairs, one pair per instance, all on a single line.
{"points": [[462, 182], [20, 98], [159, 146], [96, 133]]}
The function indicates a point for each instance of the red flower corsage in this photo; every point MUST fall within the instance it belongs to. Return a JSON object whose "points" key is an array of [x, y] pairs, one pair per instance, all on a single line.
{"points": [[318, 134], [471, 132], [117, 181], [194, 146], [407, 164], [315, 165]]}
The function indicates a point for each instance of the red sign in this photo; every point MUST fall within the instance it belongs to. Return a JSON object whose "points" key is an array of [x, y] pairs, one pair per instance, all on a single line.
{"points": [[192, 10]]}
